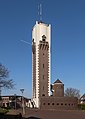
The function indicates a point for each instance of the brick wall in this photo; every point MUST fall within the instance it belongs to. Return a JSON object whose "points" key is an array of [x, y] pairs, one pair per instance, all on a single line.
{"points": [[59, 103]]}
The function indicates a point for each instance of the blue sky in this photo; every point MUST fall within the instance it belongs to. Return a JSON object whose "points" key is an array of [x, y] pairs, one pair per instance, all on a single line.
{"points": [[67, 17]]}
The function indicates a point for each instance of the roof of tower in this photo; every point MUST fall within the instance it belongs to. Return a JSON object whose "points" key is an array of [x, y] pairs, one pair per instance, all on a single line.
{"points": [[41, 22], [57, 81]]}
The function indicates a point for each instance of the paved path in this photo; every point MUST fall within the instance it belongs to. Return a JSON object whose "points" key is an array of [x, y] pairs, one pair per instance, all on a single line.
{"points": [[52, 114]]}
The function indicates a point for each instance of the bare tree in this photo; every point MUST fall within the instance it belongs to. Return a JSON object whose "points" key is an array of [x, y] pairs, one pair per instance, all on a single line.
{"points": [[72, 92], [5, 82]]}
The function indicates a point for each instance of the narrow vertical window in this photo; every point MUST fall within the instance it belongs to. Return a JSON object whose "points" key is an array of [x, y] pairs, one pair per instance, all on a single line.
{"points": [[43, 87], [43, 76], [43, 65]]}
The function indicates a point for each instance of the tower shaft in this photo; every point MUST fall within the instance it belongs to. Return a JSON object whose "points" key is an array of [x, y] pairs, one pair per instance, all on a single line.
{"points": [[40, 61]]}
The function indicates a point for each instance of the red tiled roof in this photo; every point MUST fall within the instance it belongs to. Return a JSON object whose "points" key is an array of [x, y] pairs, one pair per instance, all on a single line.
{"points": [[57, 81]]}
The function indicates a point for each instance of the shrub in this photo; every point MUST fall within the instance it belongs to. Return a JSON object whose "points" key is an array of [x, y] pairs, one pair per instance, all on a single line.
{"points": [[3, 111], [81, 106]]}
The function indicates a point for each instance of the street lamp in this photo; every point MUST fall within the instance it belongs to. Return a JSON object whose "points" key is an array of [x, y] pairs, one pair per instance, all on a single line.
{"points": [[23, 107], [0, 93], [1, 85], [15, 101], [1, 103]]}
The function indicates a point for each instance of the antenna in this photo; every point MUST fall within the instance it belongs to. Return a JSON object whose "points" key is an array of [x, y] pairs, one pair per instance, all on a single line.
{"points": [[40, 11]]}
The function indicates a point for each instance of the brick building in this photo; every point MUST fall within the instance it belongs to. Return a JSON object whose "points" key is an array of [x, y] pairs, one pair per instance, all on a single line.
{"points": [[57, 100], [15, 101], [41, 55]]}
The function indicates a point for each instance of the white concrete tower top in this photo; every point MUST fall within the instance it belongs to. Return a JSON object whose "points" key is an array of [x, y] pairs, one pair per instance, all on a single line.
{"points": [[39, 30]]}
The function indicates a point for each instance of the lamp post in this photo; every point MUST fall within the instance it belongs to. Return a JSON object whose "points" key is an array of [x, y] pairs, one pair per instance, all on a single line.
{"points": [[1, 103], [0, 93], [15, 101], [1, 85], [23, 107], [0, 98]]}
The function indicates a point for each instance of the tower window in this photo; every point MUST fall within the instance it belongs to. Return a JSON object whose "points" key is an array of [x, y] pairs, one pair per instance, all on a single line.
{"points": [[43, 65], [52, 103], [43, 76], [43, 87], [48, 103], [44, 38], [57, 103], [61, 103], [43, 94]]}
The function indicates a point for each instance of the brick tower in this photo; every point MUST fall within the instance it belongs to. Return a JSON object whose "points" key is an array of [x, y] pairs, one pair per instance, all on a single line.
{"points": [[41, 35], [58, 89]]}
